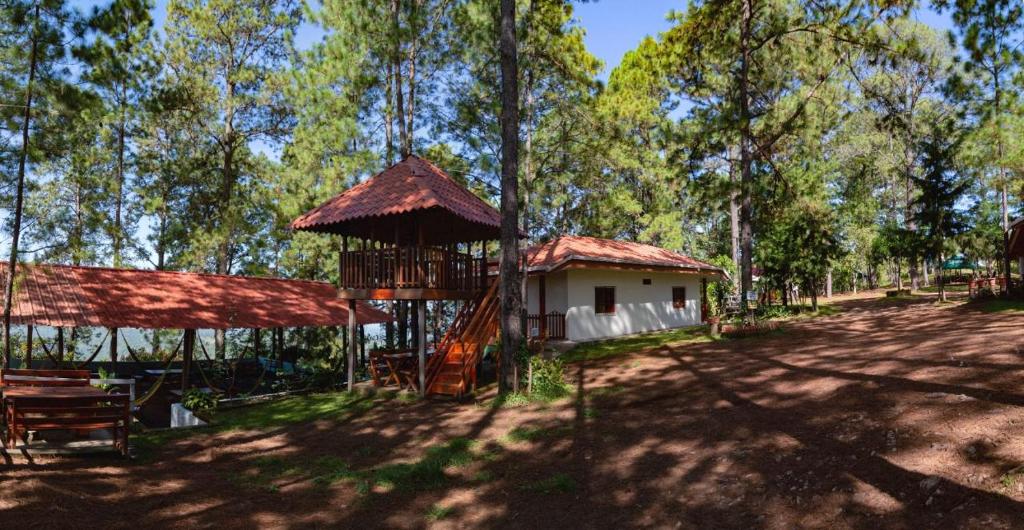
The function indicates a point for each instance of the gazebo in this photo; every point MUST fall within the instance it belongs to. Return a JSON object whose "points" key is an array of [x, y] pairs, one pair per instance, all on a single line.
{"points": [[411, 233], [64, 296]]}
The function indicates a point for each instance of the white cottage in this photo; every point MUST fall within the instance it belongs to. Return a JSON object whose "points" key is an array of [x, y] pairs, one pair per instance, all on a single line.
{"points": [[588, 288]]}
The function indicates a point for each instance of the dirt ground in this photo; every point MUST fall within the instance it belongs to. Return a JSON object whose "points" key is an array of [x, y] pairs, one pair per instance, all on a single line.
{"points": [[899, 414]]}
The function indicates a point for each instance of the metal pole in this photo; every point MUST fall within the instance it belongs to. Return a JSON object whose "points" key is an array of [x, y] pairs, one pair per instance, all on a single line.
{"points": [[422, 343], [188, 347], [113, 349], [351, 344]]}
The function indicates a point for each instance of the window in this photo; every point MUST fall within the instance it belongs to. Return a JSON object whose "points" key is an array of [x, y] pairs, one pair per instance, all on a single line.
{"points": [[647, 281], [679, 297], [604, 300]]}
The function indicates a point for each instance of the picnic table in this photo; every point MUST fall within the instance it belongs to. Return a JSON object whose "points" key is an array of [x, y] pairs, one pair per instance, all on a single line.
{"points": [[403, 367], [76, 408]]}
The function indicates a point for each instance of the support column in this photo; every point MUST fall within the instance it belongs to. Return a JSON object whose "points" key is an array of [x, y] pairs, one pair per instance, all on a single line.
{"points": [[60, 348], [351, 373], [256, 343], [542, 289], [187, 348], [113, 349], [28, 348], [422, 343]]}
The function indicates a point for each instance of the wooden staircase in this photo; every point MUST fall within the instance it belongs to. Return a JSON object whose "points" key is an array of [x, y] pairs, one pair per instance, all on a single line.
{"points": [[452, 370]]}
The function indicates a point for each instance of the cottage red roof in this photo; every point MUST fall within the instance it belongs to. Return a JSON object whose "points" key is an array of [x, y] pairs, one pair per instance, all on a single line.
{"points": [[561, 252], [67, 296], [411, 189]]}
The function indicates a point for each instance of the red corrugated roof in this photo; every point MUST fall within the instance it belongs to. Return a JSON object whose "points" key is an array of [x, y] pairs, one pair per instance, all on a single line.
{"points": [[410, 185], [68, 296], [559, 252]]}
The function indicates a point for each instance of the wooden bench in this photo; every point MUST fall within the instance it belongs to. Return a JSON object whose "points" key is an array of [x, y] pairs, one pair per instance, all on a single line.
{"points": [[44, 378], [79, 409]]}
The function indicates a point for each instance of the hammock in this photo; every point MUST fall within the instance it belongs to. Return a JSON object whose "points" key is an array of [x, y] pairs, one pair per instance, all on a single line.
{"points": [[234, 373], [47, 351], [99, 346], [160, 381]]}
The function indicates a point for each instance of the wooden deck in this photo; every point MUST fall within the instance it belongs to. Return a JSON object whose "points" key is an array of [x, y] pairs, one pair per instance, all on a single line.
{"points": [[411, 273]]}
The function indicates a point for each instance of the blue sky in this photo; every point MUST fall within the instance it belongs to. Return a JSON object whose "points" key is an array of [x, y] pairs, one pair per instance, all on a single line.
{"points": [[613, 27]]}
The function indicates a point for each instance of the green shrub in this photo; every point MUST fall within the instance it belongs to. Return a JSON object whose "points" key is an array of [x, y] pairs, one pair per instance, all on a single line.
{"points": [[197, 400], [549, 379]]}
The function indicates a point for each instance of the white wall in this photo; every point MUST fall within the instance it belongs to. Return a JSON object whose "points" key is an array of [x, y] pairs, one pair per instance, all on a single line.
{"points": [[557, 293], [638, 307]]}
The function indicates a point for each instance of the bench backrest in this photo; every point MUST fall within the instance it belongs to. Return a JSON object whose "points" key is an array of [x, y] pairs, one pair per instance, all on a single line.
{"points": [[22, 377], [86, 412]]}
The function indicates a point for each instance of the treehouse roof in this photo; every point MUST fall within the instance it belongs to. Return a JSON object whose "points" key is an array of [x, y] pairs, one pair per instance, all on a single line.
{"points": [[410, 202], [70, 296]]}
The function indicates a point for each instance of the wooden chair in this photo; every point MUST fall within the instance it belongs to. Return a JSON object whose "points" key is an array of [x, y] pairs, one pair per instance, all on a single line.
{"points": [[380, 373], [80, 414], [21, 377]]}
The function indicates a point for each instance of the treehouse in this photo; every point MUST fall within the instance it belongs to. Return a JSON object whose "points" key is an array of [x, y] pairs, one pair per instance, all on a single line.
{"points": [[412, 233], [408, 234]]}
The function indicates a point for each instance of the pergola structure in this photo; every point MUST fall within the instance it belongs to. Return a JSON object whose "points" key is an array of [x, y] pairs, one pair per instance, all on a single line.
{"points": [[63, 296], [407, 234]]}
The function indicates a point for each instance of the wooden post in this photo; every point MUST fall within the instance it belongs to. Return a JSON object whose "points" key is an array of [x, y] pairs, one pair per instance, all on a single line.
{"points": [[187, 348], [483, 265], [422, 343], [542, 289], [28, 349], [256, 343], [113, 349], [60, 348], [351, 345], [362, 345]]}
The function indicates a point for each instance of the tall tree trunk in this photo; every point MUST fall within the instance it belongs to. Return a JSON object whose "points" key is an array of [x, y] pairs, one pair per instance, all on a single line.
{"points": [[402, 316], [410, 112], [19, 197], [389, 117], [746, 177], [403, 131], [227, 189], [118, 239], [997, 93], [734, 213], [528, 174], [510, 286]]}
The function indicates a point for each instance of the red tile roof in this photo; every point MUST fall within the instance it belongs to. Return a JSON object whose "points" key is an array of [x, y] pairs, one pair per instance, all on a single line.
{"points": [[595, 251], [411, 185], [67, 296]]}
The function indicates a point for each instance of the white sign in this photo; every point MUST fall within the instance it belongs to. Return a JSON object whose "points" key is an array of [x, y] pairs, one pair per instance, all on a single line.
{"points": [[751, 296]]}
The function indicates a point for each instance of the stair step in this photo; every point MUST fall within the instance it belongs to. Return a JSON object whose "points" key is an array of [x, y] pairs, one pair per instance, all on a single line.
{"points": [[451, 389]]}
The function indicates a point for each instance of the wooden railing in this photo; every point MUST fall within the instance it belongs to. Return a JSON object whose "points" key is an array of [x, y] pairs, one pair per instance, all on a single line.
{"points": [[412, 268], [554, 321]]}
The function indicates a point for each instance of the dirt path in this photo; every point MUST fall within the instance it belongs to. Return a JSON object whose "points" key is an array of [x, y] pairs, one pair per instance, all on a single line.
{"points": [[901, 415]]}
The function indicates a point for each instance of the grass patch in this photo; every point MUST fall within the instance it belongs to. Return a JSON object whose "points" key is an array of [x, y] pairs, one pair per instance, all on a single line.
{"points": [[291, 410], [264, 471], [332, 469], [1002, 306], [297, 409], [950, 288], [483, 476], [427, 473], [438, 512], [557, 483], [591, 351], [1012, 477], [511, 400], [532, 434]]}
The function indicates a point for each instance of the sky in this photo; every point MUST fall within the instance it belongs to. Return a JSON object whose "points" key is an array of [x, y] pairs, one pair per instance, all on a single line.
{"points": [[613, 27]]}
